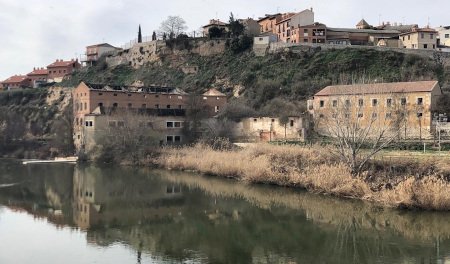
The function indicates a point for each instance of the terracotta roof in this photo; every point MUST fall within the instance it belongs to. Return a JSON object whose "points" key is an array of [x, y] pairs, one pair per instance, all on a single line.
{"points": [[213, 92], [16, 79], [379, 88], [418, 30], [61, 63], [369, 31], [41, 71]]}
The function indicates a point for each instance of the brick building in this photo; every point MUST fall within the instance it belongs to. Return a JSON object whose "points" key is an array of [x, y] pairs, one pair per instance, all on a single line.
{"points": [[290, 22], [268, 23], [16, 82], [38, 76], [166, 103], [60, 68]]}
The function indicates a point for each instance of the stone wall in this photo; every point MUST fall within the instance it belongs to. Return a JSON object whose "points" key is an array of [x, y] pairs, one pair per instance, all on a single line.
{"points": [[149, 52]]}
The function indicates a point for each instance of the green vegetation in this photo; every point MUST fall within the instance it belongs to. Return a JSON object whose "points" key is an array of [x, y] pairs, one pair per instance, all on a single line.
{"points": [[289, 76]]}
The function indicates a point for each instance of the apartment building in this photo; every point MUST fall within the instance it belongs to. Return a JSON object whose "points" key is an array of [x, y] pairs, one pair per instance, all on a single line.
{"points": [[268, 23], [38, 77], [167, 104], [377, 104], [60, 68], [16, 82], [289, 22], [419, 38]]}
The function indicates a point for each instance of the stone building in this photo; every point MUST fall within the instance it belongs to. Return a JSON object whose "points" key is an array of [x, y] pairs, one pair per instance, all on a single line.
{"points": [[377, 104], [266, 129], [166, 103], [419, 38]]}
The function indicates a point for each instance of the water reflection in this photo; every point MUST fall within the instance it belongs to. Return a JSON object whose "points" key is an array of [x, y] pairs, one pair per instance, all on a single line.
{"points": [[172, 216]]}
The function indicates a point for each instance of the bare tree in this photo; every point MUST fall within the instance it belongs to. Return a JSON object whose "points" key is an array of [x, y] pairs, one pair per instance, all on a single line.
{"points": [[173, 26], [127, 136], [361, 132]]}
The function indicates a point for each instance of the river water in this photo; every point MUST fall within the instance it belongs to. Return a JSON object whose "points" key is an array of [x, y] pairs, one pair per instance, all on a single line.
{"points": [[64, 213]]}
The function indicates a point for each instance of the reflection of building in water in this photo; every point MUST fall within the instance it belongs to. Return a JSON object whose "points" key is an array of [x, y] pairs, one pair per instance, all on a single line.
{"points": [[99, 198]]}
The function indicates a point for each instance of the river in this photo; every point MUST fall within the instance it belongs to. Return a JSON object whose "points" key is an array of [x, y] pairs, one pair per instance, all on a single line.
{"points": [[62, 213]]}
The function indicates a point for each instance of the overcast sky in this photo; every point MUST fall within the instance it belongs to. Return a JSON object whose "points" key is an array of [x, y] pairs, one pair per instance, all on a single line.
{"points": [[33, 33]]}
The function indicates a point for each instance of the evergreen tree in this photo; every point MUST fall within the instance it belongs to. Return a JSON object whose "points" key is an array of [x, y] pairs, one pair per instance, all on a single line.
{"points": [[139, 35]]}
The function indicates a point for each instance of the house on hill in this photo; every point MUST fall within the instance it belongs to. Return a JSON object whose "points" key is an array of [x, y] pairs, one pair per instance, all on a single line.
{"points": [[60, 68], [38, 77], [16, 82], [377, 104], [419, 38], [94, 52]]}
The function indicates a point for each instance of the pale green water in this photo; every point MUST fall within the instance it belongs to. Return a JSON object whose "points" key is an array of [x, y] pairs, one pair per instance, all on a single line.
{"points": [[79, 214]]}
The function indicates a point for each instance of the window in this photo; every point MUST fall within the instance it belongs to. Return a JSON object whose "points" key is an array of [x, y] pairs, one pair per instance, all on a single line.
{"points": [[177, 124], [85, 106], [115, 105], [422, 35], [130, 105], [100, 104], [169, 139], [431, 36], [322, 103], [419, 115], [144, 106], [321, 116], [388, 115], [347, 103], [335, 103], [156, 96], [129, 94], [255, 120], [273, 120], [120, 123], [292, 123], [425, 46], [347, 116], [100, 94], [389, 102], [177, 138], [169, 124], [374, 102], [374, 115], [360, 115], [180, 107], [334, 116], [403, 101], [115, 94], [420, 101], [361, 102], [157, 106], [409, 37], [447, 36]]}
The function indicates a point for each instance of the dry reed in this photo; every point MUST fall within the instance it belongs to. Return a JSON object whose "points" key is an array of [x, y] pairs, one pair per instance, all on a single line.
{"points": [[313, 168]]}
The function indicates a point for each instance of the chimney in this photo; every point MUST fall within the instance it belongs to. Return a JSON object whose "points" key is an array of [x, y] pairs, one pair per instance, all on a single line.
{"points": [[34, 68], [312, 10]]}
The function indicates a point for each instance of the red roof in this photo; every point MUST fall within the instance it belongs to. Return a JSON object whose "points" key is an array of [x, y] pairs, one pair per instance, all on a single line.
{"points": [[61, 63], [379, 88], [16, 79], [41, 71]]}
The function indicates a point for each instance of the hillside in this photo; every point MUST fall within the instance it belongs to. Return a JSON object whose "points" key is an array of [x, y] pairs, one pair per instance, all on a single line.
{"points": [[258, 80], [35, 123]]}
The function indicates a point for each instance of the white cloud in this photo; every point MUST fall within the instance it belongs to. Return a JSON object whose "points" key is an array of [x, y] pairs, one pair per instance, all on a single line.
{"points": [[35, 33]]}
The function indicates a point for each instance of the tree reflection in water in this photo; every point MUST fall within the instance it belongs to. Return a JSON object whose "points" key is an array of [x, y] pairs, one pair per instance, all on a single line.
{"points": [[181, 216]]}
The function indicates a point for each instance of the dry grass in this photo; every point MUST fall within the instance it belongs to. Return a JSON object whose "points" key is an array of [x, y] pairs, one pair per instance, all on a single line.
{"points": [[315, 169]]}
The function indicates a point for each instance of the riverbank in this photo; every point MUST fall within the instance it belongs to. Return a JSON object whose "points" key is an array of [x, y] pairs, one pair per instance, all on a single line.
{"points": [[411, 184]]}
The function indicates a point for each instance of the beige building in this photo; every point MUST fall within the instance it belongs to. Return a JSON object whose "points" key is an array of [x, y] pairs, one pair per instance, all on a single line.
{"points": [[419, 38], [444, 36], [289, 22], [264, 129], [378, 105]]}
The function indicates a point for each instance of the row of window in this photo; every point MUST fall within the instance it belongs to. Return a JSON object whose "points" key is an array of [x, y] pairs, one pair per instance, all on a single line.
{"points": [[80, 106], [173, 139], [59, 71], [174, 124], [143, 106], [291, 122], [375, 102], [374, 115]]}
